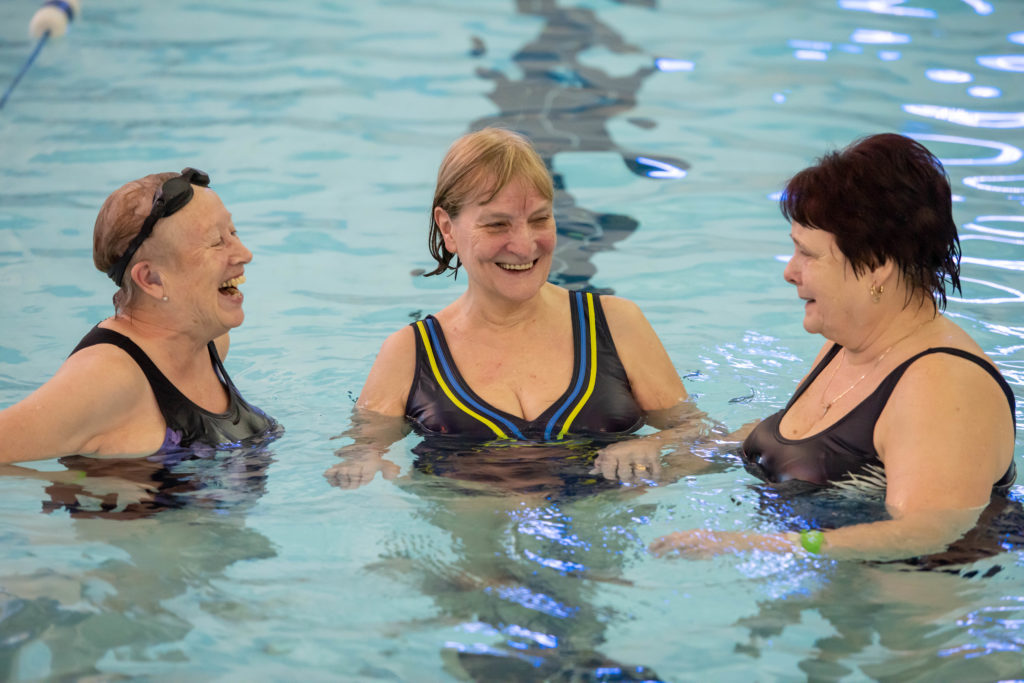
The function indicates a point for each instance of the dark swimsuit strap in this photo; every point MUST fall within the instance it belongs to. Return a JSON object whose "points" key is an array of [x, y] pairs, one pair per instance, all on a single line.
{"points": [[980, 362], [166, 393], [880, 395], [893, 377]]}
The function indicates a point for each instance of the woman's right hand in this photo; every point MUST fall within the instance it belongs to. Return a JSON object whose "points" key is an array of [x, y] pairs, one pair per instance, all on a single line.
{"points": [[359, 465], [632, 461]]}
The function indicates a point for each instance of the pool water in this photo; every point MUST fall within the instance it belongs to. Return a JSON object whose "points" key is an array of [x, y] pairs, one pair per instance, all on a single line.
{"points": [[670, 127]]}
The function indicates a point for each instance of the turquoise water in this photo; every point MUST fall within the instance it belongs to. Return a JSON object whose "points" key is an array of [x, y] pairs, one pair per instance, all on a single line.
{"points": [[322, 125]]}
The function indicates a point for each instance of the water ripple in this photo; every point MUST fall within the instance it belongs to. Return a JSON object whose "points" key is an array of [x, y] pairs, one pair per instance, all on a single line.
{"points": [[966, 117]]}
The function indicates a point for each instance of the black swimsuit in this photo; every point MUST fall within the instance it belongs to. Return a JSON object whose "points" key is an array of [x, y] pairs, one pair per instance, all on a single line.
{"points": [[846, 448], [187, 423], [598, 400]]}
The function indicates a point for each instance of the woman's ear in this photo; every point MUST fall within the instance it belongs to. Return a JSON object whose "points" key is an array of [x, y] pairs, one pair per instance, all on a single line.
{"points": [[147, 278], [444, 224], [881, 274]]}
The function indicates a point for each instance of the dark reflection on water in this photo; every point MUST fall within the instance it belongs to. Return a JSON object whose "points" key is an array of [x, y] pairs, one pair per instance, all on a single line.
{"points": [[553, 471], [143, 487], [177, 523], [890, 625], [912, 608], [563, 105], [537, 533]]}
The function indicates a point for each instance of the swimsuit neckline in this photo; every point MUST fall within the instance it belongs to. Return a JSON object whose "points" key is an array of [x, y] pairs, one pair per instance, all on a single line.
{"points": [[520, 421], [832, 353]]}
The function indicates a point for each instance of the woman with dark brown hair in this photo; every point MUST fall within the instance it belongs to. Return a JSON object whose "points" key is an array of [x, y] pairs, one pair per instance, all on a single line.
{"points": [[899, 397]]}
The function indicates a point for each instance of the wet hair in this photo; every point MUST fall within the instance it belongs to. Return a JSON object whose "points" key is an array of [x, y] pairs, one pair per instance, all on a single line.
{"points": [[118, 222], [883, 197], [476, 168]]}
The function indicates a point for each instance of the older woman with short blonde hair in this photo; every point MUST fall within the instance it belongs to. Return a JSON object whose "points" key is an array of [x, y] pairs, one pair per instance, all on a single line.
{"points": [[150, 379]]}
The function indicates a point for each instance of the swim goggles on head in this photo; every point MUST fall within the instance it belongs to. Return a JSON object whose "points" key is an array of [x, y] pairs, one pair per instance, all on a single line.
{"points": [[172, 196]]}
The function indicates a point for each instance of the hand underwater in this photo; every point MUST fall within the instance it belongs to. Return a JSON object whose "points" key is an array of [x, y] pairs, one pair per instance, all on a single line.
{"points": [[359, 466], [703, 543], [632, 461]]}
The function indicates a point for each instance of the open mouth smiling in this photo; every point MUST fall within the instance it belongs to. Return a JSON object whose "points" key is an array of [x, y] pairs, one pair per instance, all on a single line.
{"points": [[517, 266], [230, 287]]}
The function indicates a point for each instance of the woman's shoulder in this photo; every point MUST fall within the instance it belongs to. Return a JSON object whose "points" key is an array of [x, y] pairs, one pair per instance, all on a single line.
{"points": [[621, 311], [401, 342], [945, 348], [97, 392], [387, 386], [947, 334], [950, 401], [96, 353], [103, 374], [949, 367]]}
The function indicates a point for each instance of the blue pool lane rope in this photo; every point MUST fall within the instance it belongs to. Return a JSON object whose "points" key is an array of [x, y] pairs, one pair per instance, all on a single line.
{"points": [[50, 20]]}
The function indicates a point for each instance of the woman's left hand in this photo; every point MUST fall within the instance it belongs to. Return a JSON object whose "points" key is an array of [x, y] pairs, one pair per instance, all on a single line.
{"points": [[631, 461], [703, 543]]}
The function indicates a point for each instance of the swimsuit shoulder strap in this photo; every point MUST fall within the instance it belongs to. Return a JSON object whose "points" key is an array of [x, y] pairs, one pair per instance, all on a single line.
{"points": [[582, 306], [876, 401], [222, 372], [162, 387], [974, 358]]}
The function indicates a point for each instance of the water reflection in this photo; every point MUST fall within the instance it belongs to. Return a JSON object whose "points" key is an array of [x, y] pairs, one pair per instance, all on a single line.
{"points": [[981, 6], [1008, 154], [977, 226], [150, 532], [884, 624], [811, 55], [861, 602], [982, 182], [1016, 296], [966, 117], [948, 76], [892, 7], [877, 37], [984, 91], [564, 105], [1013, 63], [537, 532]]}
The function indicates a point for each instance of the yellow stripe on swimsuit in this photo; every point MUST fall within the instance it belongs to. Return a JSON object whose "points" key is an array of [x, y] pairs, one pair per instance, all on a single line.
{"points": [[592, 362], [421, 327]]}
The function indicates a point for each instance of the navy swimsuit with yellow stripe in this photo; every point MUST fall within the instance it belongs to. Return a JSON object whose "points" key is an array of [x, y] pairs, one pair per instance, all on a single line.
{"points": [[598, 400]]}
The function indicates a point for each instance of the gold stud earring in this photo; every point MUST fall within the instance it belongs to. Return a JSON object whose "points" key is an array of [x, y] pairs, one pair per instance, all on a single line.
{"points": [[876, 292]]}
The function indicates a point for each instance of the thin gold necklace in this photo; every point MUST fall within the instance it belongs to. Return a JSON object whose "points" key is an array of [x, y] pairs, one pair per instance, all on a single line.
{"points": [[867, 372]]}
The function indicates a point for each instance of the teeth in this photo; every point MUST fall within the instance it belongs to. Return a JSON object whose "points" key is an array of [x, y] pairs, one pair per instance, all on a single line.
{"points": [[516, 266], [233, 282]]}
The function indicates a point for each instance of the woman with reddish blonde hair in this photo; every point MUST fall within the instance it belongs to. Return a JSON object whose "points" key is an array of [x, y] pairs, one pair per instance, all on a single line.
{"points": [[515, 358]]}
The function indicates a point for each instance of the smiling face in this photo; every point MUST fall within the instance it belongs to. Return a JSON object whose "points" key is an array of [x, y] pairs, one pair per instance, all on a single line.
{"points": [[823, 277], [205, 263], [504, 244]]}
